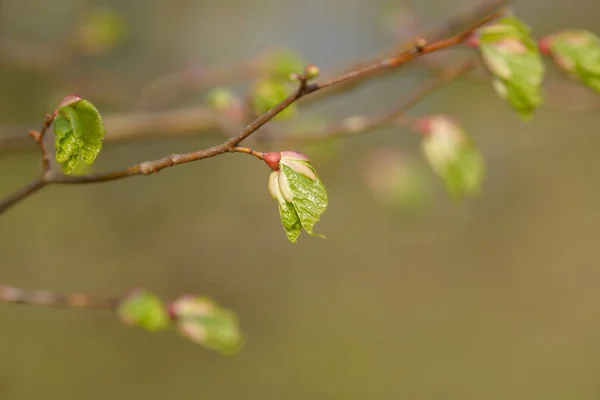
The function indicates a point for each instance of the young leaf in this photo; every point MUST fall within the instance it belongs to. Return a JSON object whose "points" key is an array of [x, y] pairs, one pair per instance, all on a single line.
{"points": [[576, 52], [268, 93], [280, 64], [514, 60], [221, 98], [202, 321], [453, 156], [301, 195], [79, 131], [145, 310], [99, 30]]}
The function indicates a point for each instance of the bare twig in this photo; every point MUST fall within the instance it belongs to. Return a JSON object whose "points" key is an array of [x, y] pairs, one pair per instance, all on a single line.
{"points": [[53, 299], [38, 136], [395, 115]]}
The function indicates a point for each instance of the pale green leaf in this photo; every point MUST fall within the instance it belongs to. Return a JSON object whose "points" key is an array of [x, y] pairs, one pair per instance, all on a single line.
{"points": [[78, 130], [454, 157], [281, 63], [515, 61], [290, 221], [309, 196], [145, 310], [268, 93], [578, 52], [201, 320]]}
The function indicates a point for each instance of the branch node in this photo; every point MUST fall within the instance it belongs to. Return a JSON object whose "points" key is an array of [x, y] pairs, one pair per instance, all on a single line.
{"points": [[146, 168], [419, 45], [35, 135]]}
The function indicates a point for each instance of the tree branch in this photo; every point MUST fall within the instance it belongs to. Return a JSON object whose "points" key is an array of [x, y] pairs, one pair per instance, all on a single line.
{"points": [[419, 48], [395, 115], [53, 299]]}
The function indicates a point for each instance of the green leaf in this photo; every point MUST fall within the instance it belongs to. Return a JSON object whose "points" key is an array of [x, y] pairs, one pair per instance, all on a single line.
{"points": [[280, 64], [454, 157], [201, 320], [301, 195], [79, 131], [221, 98], [268, 93], [145, 310], [99, 30], [578, 53], [291, 221], [309, 197], [514, 60]]}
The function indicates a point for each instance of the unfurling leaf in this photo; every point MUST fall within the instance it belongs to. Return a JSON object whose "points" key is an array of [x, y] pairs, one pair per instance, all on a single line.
{"points": [[514, 60], [221, 98], [281, 63], [453, 156], [79, 131], [204, 322], [576, 52], [301, 195], [99, 30], [268, 93], [143, 309]]}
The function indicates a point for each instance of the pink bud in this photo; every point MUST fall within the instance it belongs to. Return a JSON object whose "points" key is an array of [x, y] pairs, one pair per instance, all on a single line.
{"points": [[545, 45], [423, 125], [472, 40], [272, 159], [68, 100], [294, 155]]}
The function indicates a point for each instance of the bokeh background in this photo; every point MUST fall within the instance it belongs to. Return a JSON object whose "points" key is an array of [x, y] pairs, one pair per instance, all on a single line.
{"points": [[494, 297]]}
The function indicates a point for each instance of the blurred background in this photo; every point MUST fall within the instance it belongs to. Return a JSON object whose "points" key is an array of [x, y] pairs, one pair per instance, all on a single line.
{"points": [[412, 295]]}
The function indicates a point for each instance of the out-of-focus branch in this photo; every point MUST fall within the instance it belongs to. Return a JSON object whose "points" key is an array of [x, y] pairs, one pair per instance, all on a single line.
{"points": [[53, 299], [395, 115]]}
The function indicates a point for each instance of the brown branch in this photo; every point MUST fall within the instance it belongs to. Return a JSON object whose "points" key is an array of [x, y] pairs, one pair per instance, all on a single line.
{"points": [[395, 115], [38, 136], [419, 48]]}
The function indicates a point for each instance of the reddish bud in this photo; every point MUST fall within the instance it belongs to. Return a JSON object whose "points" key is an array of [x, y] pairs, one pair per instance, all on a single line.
{"points": [[68, 100], [272, 159], [545, 45], [472, 40], [423, 125]]}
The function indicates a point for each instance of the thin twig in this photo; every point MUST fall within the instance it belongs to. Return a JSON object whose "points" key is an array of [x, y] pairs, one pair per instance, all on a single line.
{"points": [[246, 150], [38, 136], [53, 299], [359, 124], [21, 194]]}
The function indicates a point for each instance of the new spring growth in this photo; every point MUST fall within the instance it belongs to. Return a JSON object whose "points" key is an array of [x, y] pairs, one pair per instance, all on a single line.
{"points": [[300, 194], [79, 131], [201, 320], [577, 52], [514, 60], [452, 155], [143, 309]]}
